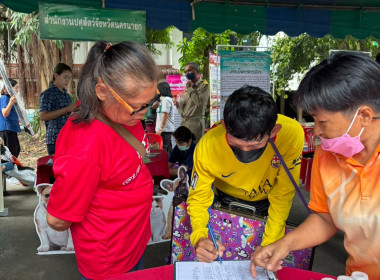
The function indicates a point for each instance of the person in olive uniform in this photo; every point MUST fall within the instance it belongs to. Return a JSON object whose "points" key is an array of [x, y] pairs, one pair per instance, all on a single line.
{"points": [[195, 102]]}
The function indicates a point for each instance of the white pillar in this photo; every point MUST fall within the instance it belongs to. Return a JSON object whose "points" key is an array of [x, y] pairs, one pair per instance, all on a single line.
{"points": [[3, 211]]}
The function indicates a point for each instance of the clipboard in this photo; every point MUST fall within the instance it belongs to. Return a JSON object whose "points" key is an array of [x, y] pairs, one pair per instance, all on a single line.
{"points": [[231, 270]]}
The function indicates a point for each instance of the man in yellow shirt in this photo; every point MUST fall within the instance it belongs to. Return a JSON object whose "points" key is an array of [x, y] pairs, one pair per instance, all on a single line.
{"points": [[236, 159]]}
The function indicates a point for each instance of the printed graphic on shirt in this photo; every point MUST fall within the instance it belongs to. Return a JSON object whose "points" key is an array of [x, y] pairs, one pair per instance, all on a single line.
{"points": [[264, 187], [275, 163], [297, 161], [228, 175], [134, 175], [194, 180]]}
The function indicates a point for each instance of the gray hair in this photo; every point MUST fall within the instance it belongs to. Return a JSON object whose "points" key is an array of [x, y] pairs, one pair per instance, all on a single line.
{"points": [[118, 65]]}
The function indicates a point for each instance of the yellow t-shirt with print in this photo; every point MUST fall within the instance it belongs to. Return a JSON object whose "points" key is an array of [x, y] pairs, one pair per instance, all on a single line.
{"points": [[215, 164]]}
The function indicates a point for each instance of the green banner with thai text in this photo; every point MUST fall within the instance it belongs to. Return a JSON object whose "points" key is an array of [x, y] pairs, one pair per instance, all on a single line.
{"points": [[77, 23]]}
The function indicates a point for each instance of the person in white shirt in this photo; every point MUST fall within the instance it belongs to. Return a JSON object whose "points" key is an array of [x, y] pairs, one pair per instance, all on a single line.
{"points": [[165, 116]]}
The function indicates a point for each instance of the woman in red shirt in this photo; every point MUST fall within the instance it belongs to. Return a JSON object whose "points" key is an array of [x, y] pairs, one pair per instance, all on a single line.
{"points": [[102, 190]]}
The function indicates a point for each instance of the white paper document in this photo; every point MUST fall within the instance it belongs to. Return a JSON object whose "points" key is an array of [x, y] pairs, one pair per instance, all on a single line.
{"points": [[228, 270]]}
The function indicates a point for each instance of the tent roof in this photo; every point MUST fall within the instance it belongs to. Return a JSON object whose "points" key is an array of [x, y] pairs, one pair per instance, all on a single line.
{"points": [[359, 18]]}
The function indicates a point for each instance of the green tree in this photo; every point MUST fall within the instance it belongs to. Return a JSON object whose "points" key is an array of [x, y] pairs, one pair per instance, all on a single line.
{"points": [[294, 55], [36, 58], [197, 48], [160, 37]]}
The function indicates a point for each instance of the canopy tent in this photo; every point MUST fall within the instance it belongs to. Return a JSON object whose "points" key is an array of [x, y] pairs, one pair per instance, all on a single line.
{"points": [[359, 18]]}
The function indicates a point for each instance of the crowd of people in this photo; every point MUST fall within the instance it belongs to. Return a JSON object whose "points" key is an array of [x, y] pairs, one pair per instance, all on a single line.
{"points": [[111, 187]]}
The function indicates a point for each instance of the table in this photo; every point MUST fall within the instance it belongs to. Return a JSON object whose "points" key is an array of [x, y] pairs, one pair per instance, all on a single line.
{"points": [[294, 273], [158, 165], [160, 273], [167, 273]]}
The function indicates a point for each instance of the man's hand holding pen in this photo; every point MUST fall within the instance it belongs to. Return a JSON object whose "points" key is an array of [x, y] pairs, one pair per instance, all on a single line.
{"points": [[206, 251]]}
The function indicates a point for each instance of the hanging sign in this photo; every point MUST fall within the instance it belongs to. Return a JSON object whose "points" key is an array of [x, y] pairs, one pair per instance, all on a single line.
{"points": [[77, 23]]}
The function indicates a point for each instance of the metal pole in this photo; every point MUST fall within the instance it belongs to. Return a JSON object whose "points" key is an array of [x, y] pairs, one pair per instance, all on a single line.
{"points": [[3, 211], [9, 46]]}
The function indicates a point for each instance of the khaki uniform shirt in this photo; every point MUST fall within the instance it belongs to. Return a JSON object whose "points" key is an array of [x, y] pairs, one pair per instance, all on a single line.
{"points": [[193, 107]]}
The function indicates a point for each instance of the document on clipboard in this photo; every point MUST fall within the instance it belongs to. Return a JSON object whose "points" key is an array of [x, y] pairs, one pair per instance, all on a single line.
{"points": [[228, 270]]}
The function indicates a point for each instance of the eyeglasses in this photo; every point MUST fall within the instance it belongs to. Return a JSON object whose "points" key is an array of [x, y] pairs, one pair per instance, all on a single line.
{"points": [[126, 105]]}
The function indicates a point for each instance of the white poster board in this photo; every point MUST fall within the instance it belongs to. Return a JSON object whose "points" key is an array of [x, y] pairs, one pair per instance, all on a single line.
{"points": [[239, 68]]}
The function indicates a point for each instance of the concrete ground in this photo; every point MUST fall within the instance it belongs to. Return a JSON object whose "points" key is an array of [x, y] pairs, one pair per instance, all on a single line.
{"points": [[19, 242]]}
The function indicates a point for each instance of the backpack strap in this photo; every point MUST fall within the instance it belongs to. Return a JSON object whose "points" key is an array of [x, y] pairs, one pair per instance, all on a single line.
{"points": [[289, 175], [124, 133]]}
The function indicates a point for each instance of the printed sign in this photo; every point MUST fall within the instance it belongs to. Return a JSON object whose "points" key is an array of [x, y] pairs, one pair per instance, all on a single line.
{"points": [[177, 85], [214, 66], [239, 68], [75, 23]]}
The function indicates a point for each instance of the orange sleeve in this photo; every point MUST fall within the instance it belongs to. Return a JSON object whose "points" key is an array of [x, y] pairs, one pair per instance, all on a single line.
{"points": [[318, 198]]}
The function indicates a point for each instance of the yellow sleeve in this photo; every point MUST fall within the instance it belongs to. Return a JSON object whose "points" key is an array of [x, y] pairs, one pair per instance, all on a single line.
{"points": [[282, 194], [201, 194]]}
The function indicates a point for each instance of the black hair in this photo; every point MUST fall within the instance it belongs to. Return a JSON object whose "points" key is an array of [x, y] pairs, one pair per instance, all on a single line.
{"points": [[341, 83], [183, 134], [250, 113], [193, 65], [60, 68], [121, 66], [164, 89], [13, 84], [377, 59]]}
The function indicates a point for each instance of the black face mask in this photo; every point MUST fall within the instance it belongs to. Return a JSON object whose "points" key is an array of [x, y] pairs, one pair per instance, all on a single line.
{"points": [[248, 156]]}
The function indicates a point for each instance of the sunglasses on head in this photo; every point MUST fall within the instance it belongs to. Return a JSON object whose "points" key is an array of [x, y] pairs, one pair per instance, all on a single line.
{"points": [[126, 105]]}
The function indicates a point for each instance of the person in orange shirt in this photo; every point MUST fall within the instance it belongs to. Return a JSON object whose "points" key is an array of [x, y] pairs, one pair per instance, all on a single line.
{"points": [[342, 94]]}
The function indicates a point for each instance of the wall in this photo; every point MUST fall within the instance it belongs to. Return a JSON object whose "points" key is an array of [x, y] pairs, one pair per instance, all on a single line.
{"points": [[168, 57]]}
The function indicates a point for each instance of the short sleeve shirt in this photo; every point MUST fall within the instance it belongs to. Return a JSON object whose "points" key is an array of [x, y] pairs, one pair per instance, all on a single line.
{"points": [[350, 193], [103, 187], [53, 99], [166, 106], [11, 122]]}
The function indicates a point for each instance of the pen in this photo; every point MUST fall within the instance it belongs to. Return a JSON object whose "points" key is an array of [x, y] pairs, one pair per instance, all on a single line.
{"points": [[213, 240]]}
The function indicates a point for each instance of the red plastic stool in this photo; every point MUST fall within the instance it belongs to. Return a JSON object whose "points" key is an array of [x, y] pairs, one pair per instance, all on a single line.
{"points": [[305, 175]]}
